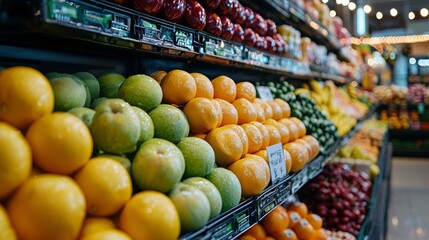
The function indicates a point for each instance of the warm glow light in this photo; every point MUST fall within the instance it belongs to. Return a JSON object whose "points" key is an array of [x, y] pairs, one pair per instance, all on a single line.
{"points": [[393, 12], [424, 12], [339, 1], [412, 61], [345, 2], [411, 15], [367, 9], [332, 13], [379, 15], [325, 1], [392, 40], [352, 6]]}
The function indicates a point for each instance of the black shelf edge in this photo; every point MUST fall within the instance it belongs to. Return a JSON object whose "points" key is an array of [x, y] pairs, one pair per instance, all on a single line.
{"points": [[411, 153], [409, 133]]}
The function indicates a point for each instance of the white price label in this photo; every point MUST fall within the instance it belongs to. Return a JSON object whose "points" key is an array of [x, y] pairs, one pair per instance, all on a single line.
{"points": [[265, 93], [277, 162]]}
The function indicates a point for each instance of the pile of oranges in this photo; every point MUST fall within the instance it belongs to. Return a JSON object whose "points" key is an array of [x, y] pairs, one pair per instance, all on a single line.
{"points": [[291, 223]]}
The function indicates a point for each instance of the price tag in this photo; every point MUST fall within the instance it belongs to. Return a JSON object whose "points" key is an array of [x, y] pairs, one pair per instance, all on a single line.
{"points": [[265, 93], [277, 162]]}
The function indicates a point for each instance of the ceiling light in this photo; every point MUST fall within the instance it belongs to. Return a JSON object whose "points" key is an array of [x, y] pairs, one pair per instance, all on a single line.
{"points": [[325, 1], [345, 2], [411, 15], [379, 15], [339, 1], [352, 6], [412, 61], [367, 9], [332, 13], [393, 12], [424, 12]]}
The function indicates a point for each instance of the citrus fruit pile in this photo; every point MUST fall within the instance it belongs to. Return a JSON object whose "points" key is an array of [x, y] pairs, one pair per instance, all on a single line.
{"points": [[291, 223], [143, 157]]}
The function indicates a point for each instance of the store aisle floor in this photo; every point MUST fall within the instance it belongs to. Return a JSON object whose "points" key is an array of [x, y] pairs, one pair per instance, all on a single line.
{"points": [[409, 200]]}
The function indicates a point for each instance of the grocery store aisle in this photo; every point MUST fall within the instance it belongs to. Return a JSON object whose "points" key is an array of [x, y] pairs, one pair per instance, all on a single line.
{"points": [[409, 200]]}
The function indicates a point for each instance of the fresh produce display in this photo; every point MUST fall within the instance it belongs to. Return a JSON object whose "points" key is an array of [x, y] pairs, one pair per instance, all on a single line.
{"points": [[391, 94], [302, 107], [188, 157], [291, 222], [339, 196]]}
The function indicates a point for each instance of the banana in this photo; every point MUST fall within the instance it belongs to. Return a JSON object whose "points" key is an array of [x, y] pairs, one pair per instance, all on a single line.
{"points": [[302, 91], [316, 86]]}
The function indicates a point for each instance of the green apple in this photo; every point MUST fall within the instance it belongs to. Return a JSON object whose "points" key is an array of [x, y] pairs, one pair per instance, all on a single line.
{"points": [[211, 192], [124, 161], [52, 75], [170, 123], [92, 83], [141, 91], [158, 165], [192, 205], [228, 185], [96, 101], [85, 114], [69, 92], [115, 127], [146, 124], [109, 84], [199, 156]]}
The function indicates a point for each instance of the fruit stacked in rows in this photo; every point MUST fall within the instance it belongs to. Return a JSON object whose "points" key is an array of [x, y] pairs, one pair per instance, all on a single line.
{"points": [[304, 108], [73, 171], [291, 223], [224, 18], [340, 196]]}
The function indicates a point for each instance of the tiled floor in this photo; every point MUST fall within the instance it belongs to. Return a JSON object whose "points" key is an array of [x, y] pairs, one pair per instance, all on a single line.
{"points": [[409, 200]]}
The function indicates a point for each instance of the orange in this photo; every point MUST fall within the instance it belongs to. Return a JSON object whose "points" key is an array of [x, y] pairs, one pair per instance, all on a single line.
{"points": [[257, 231], [61, 143], [204, 86], [110, 234], [227, 144], [293, 128], [275, 136], [25, 96], [229, 113], [315, 146], [246, 90], [288, 160], [262, 154], [158, 75], [198, 135], [283, 212], [303, 229], [224, 88], [298, 154], [253, 174], [307, 146], [294, 218], [264, 132], [178, 87], [95, 224], [274, 222], [255, 137], [47, 207], [267, 107], [298, 207], [15, 163], [6, 230], [301, 127], [260, 113], [286, 235], [246, 111], [277, 110], [315, 220], [269, 238], [284, 106], [247, 237], [243, 137], [202, 115], [283, 130], [319, 234], [217, 109], [106, 185], [150, 215]]}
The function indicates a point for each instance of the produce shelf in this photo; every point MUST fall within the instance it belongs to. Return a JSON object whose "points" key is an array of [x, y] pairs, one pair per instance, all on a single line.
{"points": [[252, 210], [102, 22], [411, 153]]}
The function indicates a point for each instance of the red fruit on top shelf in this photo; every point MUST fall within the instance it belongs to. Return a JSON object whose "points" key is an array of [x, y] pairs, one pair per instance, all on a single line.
{"points": [[242, 15], [250, 15], [195, 15], [236, 7], [225, 7], [280, 48], [151, 7], [271, 44], [174, 9], [261, 43], [249, 37], [210, 5], [271, 27], [238, 33], [259, 25], [213, 24], [227, 28]]}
